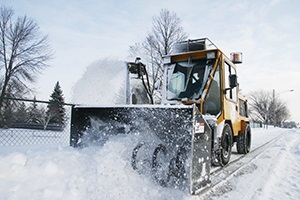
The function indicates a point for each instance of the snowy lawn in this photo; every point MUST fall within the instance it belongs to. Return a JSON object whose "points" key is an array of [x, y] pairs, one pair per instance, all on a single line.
{"points": [[51, 172]]}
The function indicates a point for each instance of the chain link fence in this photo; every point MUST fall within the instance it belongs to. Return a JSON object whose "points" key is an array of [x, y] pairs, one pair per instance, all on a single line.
{"points": [[29, 123]]}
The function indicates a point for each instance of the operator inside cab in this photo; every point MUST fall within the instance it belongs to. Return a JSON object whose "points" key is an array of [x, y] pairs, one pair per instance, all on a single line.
{"points": [[194, 84], [187, 79]]}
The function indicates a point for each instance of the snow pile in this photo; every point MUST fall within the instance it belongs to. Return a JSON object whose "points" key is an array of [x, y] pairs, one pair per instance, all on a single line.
{"points": [[67, 173], [106, 173]]}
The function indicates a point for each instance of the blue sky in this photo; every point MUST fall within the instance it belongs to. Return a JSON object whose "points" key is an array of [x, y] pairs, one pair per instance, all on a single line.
{"points": [[82, 32]]}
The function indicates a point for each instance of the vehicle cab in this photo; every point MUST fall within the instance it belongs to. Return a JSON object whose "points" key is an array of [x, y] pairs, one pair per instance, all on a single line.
{"points": [[200, 73]]}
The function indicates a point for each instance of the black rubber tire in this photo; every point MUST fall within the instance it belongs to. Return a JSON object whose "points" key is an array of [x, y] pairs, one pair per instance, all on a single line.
{"points": [[226, 144], [243, 143]]}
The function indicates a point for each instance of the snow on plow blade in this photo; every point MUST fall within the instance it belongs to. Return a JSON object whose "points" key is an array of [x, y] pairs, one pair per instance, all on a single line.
{"points": [[174, 141]]}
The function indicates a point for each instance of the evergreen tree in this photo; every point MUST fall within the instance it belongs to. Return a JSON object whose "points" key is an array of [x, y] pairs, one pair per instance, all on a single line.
{"points": [[55, 110]]}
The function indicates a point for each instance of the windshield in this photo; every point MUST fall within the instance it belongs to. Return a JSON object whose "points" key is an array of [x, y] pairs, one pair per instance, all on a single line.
{"points": [[187, 79]]}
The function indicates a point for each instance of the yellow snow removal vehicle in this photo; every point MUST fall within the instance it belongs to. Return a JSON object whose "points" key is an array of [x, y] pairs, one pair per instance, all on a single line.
{"points": [[200, 118]]}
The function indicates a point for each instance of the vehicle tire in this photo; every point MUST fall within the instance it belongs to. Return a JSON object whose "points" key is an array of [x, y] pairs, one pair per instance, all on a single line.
{"points": [[243, 143], [226, 144]]}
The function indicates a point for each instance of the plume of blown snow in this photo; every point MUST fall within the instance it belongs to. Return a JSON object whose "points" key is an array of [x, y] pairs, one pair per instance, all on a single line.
{"points": [[101, 83]]}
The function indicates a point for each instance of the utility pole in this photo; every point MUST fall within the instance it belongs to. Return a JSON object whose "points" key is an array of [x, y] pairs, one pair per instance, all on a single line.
{"points": [[274, 106]]}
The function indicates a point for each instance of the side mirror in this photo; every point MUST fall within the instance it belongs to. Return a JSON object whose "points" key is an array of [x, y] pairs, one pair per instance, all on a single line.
{"points": [[232, 81]]}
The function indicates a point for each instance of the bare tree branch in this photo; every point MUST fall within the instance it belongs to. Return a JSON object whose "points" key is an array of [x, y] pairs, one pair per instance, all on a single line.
{"points": [[267, 108], [24, 53], [166, 31]]}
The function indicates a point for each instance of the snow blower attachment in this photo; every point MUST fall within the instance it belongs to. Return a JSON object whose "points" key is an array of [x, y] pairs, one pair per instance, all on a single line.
{"points": [[176, 140], [201, 117]]}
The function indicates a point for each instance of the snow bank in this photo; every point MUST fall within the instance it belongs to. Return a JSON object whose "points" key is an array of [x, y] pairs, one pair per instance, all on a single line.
{"points": [[106, 173], [67, 173]]}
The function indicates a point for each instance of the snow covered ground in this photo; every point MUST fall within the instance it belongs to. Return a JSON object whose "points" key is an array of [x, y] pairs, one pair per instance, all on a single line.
{"points": [[61, 172]]}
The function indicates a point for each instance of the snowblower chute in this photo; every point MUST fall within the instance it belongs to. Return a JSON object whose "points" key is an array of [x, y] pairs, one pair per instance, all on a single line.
{"points": [[175, 141]]}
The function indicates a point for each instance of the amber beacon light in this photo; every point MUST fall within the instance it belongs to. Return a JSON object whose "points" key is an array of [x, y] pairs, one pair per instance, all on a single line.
{"points": [[236, 57]]}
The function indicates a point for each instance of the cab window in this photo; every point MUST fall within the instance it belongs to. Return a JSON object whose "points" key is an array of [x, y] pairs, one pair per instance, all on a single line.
{"points": [[212, 103]]}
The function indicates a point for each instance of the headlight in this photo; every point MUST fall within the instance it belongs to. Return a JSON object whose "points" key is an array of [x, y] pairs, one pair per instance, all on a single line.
{"points": [[211, 55]]}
